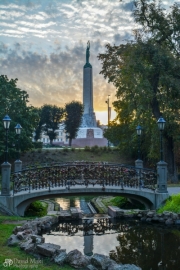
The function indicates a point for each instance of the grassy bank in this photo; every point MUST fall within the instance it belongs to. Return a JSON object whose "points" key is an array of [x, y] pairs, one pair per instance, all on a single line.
{"points": [[40, 156], [7, 224]]}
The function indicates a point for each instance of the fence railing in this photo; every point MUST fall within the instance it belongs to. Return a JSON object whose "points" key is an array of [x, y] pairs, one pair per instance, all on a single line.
{"points": [[82, 173]]}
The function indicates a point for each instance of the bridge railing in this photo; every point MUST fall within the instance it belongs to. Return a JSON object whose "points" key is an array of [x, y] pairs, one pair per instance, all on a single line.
{"points": [[83, 173]]}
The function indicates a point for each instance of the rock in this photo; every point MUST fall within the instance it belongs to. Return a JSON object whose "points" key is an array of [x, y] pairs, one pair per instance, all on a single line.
{"points": [[155, 219], [21, 235], [174, 216], [177, 222], [37, 239], [161, 220], [47, 249], [143, 219], [169, 221], [150, 214], [76, 259], [17, 229], [13, 240], [148, 219], [127, 267], [61, 257], [28, 246], [91, 267], [101, 261]]}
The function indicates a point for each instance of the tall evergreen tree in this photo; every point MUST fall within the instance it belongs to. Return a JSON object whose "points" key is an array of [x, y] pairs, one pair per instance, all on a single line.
{"points": [[73, 118]]}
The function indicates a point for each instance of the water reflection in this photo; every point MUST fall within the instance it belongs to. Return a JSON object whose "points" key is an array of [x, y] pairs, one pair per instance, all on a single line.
{"points": [[150, 247], [79, 202]]}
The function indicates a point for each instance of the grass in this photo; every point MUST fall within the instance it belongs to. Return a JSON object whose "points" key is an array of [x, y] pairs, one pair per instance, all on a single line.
{"points": [[7, 224], [172, 204]]}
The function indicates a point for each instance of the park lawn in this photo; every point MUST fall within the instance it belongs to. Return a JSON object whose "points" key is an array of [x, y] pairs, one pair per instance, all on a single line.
{"points": [[7, 224]]}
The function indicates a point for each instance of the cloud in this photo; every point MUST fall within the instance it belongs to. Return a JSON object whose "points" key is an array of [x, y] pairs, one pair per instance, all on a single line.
{"points": [[44, 45]]}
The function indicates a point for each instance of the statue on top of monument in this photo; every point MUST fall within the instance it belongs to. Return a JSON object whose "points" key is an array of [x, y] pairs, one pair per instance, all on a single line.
{"points": [[88, 52]]}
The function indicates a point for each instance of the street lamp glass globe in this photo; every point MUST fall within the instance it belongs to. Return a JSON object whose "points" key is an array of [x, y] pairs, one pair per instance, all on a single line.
{"points": [[6, 121], [18, 129], [139, 130], [161, 123]]}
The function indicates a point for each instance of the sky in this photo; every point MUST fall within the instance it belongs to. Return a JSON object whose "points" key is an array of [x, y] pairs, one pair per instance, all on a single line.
{"points": [[43, 44]]}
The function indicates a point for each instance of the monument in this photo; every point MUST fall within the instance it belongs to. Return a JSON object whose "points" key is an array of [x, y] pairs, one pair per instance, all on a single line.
{"points": [[89, 134], [89, 118]]}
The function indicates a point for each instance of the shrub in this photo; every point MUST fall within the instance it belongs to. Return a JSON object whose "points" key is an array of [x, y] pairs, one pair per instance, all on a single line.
{"points": [[172, 204], [72, 149], [95, 149], [37, 144], [36, 209], [87, 148]]}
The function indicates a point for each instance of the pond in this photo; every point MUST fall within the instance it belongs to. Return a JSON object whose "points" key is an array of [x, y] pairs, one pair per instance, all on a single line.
{"points": [[152, 247]]}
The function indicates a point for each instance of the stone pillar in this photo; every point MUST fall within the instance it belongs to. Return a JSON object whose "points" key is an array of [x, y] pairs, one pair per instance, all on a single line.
{"points": [[17, 166], [5, 182], [139, 163], [162, 177]]}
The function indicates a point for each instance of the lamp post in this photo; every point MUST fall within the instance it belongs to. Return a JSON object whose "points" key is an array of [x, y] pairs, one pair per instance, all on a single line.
{"points": [[108, 110], [139, 132], [139, 162], [6, 121], [161, 124], [6, 166], [161, 165], [18, 132]]}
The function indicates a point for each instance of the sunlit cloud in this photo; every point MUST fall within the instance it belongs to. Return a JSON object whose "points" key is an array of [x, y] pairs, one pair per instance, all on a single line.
{"points": [[43, 44]]}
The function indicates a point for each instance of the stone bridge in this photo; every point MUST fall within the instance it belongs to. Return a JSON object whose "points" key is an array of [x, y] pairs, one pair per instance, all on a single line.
{"points": [[80, 178]]}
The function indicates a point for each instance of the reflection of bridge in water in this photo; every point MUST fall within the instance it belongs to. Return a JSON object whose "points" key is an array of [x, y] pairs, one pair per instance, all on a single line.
{"points": [[88, 229], [80, 178]]}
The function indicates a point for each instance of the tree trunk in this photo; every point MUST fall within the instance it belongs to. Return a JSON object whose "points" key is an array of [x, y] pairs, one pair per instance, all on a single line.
{"points": [[170, 159], [70, 141]]}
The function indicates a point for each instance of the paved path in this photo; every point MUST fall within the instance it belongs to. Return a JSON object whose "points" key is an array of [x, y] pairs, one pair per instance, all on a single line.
{"points": [[173, 190]]}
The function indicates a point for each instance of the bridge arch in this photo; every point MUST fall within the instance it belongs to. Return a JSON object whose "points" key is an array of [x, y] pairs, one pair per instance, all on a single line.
{"points": [[22, 202]]}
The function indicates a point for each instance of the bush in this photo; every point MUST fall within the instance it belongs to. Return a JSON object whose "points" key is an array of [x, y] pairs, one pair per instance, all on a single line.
{"points": [[37, 145], [172, 204], [65, 149], [73, 149], [95, 149], [87, 148], [36, 209]]}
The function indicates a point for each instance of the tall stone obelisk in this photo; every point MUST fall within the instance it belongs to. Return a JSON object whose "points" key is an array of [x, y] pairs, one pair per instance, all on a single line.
{"points": [[89, 118]]}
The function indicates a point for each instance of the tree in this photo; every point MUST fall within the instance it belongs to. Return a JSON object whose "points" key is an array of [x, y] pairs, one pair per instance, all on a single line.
{"points": [[73, 118], [50, 118], [14, 102], [145, 73]]}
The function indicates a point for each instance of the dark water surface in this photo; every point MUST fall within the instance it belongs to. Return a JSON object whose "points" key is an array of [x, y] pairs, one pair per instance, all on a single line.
{"points": [[152, 247]]}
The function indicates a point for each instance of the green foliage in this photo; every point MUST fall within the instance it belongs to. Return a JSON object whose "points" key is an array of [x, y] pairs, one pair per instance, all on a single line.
{"points": [[14, 102], [73, 119], [50, 117], [146, 75], [119, 201], [123, 203], [37, 145], [87, 148], [95, 149], [36, 209], [172, 204]]}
